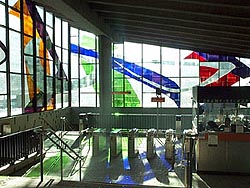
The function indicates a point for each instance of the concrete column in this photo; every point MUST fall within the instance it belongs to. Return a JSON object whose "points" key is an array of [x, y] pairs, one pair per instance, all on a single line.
{"points": [[105, 79]]}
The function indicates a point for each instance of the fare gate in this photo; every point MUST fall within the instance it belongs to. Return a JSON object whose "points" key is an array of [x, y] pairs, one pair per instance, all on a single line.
{"points": [[132, 151], [150, 143], [99, 141], [115, 143]]}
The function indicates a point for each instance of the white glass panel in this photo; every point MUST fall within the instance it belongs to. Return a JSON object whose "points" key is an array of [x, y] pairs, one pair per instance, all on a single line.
{"points": [[40, 12], [118, 51], [87, 40], [15, 52], [170, 62], [58, 30], [189, 66], [74, 66], [14, 21], [186, 91], [3, 83], [16, 92], [65, 56], [65, 69], [2, 15], [3, 105], [50, 68], [65, 100], [133, 52], [74, 92], [65, 35], [2, 53], [147, 99], [59, 53], [88, 100], [49, 19], [151, 57], [12, 2]]}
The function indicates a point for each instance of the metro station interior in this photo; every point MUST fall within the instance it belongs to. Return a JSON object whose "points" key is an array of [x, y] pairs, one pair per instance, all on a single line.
{"points": [[105, 93]]}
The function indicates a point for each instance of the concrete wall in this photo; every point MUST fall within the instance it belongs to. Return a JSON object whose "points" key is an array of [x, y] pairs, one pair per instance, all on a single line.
{"points": [[28, 121], [143, 118]]}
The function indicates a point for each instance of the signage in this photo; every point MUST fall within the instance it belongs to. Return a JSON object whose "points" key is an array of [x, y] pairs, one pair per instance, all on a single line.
{"points": [[157, 99], [121, 92]]}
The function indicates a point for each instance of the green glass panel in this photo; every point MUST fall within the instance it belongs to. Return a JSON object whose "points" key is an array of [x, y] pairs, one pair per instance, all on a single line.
{"points": [[89, 68], [131, 100]]}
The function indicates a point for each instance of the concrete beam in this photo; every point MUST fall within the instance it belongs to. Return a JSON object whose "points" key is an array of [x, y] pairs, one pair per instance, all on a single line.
{"points": [[79, 15]]}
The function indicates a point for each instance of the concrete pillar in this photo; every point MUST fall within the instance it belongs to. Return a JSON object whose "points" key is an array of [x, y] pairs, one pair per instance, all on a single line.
{"points": [[105, 79]]}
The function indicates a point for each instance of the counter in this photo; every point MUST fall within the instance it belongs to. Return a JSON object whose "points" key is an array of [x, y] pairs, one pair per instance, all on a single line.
{"points": [[223, 152]]}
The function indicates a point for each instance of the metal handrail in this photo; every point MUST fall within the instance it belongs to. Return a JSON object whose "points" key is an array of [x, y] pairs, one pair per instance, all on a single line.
{"points": [[18, 145], [52, 130], [65, 144], [60, 145], [20, 132], [48, 124], [68, 122]]}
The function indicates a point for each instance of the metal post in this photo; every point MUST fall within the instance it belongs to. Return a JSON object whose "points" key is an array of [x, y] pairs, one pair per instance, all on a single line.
{"points": [[63, 123], [80, 170], [41, 155], [80, 152], [157, 118], [63, 119], [61, 157], [189, 166]]}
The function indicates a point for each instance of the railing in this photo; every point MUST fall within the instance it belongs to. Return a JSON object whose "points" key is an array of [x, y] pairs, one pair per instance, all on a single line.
{"points": [[15, 146], [50, 133], [140, 121], [67, 124], [47, 123], [63, 145]]}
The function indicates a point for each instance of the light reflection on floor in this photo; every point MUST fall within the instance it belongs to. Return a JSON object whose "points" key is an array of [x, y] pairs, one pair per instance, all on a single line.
{"points": [[125, 170]]}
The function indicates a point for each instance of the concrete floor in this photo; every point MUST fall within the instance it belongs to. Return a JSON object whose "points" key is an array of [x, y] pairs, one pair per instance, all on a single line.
{"points": [[103, 170]]}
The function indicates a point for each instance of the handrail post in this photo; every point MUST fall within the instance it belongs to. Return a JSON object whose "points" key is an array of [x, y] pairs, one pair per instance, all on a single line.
{"points": [[80, 171], [61, 155], [63, 119], [41, 155], [61, 145], [189, 167]]}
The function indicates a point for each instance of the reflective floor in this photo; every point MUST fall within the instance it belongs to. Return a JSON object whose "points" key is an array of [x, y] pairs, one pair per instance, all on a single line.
{"points": [[103, 167], [104, 170]]}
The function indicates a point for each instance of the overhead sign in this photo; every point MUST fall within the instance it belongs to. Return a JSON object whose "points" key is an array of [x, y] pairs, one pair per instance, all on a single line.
{"points": [[157, 99]]}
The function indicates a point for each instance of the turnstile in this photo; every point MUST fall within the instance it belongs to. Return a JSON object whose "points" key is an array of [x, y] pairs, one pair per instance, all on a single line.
{"points": [[132, 151], [150, 143], [88, 120], [115, 143], [99, 141], [169, 146], [83, 121]]}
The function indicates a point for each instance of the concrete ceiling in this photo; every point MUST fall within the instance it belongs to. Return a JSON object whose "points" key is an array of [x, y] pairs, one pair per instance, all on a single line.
{"points": [[214, 26]]}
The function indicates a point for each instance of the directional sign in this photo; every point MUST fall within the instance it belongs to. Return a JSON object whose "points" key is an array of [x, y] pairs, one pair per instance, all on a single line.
{"points": [[157, 99]]}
